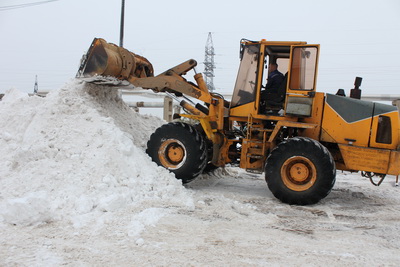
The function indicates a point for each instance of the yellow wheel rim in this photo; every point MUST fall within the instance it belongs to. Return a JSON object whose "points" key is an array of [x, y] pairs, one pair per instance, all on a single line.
{"points": [[298, 173], [172, 154]]}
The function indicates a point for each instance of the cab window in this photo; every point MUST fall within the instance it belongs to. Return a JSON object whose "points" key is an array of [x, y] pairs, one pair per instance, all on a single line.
{"points": [[303, 69], [384, 132], [246, 79]]}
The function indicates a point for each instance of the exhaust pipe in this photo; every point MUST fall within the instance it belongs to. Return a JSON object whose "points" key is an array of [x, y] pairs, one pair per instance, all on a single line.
{"points": [[356, 92], [109, 60]]}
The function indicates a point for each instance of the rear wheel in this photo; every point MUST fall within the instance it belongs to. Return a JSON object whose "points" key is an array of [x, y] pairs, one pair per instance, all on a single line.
{"points": [[300, 171], [179, 148]]}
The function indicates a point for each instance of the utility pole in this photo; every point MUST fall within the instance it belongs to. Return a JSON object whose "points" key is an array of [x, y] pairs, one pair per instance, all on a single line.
{"points": [[36, 87], [121, 32], [209, 65]]}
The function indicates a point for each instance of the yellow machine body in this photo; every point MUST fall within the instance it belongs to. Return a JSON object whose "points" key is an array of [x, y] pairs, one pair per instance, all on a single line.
{"points": [[358, 135], [366, 133]]}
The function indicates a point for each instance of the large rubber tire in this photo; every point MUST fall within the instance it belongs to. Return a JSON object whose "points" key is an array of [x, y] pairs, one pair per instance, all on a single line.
{"points": [[300, 171], [179, 148]]}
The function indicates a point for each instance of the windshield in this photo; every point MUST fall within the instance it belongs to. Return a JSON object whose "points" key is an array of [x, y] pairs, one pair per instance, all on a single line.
{"points": [[244, 91]]}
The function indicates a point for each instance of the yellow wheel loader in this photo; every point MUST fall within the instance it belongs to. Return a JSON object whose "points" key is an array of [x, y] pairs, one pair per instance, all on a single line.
{"points": [[298, 137]]}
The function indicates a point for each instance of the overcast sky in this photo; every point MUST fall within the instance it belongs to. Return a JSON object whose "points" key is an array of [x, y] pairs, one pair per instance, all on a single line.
{"points": [[357, 37]]}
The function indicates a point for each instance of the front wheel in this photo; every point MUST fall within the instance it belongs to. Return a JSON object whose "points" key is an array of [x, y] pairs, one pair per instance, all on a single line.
{"points": [[300, 171], [179, 148]]}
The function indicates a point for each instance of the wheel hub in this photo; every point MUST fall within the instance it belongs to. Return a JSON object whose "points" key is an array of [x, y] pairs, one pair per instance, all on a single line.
{"points": [[172, 154], [175, 153], [298, 173]]}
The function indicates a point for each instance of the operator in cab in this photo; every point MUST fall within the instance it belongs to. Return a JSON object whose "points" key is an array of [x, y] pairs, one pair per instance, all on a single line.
{"points": [[274, 80], [271, 96]]}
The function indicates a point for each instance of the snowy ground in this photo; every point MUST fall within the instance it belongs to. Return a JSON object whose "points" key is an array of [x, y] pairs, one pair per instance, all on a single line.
{"points": [[77, 189]]}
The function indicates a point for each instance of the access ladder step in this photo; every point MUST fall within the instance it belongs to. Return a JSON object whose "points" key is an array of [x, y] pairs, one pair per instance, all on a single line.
{"points": [[254, 156], [254, 142], [258, 171], [255, 151]]}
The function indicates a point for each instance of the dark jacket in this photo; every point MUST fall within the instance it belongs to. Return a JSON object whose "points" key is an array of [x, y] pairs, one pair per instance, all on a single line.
{"points": [[275, 79]]}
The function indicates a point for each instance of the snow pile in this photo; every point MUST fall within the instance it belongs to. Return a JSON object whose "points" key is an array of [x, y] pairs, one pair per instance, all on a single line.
{"points": [[75, 154]]}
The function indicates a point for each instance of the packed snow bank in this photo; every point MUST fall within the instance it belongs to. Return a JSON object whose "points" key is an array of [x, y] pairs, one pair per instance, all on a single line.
{"points": [[75, 159], [76, 153]]}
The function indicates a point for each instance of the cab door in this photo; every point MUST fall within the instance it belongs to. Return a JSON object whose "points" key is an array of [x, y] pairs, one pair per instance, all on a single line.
{"points": [[302, 80]]}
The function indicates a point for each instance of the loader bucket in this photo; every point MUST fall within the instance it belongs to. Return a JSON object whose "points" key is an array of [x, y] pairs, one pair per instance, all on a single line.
{"points": [[109, 60]]}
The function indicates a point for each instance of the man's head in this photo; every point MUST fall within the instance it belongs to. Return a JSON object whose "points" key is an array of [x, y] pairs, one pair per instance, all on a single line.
{"points": [[272, 67]]}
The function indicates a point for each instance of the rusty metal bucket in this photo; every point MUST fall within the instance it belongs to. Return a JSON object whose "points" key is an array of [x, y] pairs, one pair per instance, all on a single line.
{"points": [[109, 60]]}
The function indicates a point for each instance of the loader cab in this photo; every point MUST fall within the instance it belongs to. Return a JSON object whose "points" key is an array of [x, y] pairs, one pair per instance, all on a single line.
{"points": [[297, 61]]}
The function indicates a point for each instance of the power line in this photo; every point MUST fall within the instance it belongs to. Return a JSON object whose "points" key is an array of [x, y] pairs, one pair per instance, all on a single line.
{"points": [[5, 8]]}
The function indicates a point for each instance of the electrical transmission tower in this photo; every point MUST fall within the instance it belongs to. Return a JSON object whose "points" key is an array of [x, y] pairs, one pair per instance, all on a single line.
{"points": [[36, 87], [209, 65]]}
